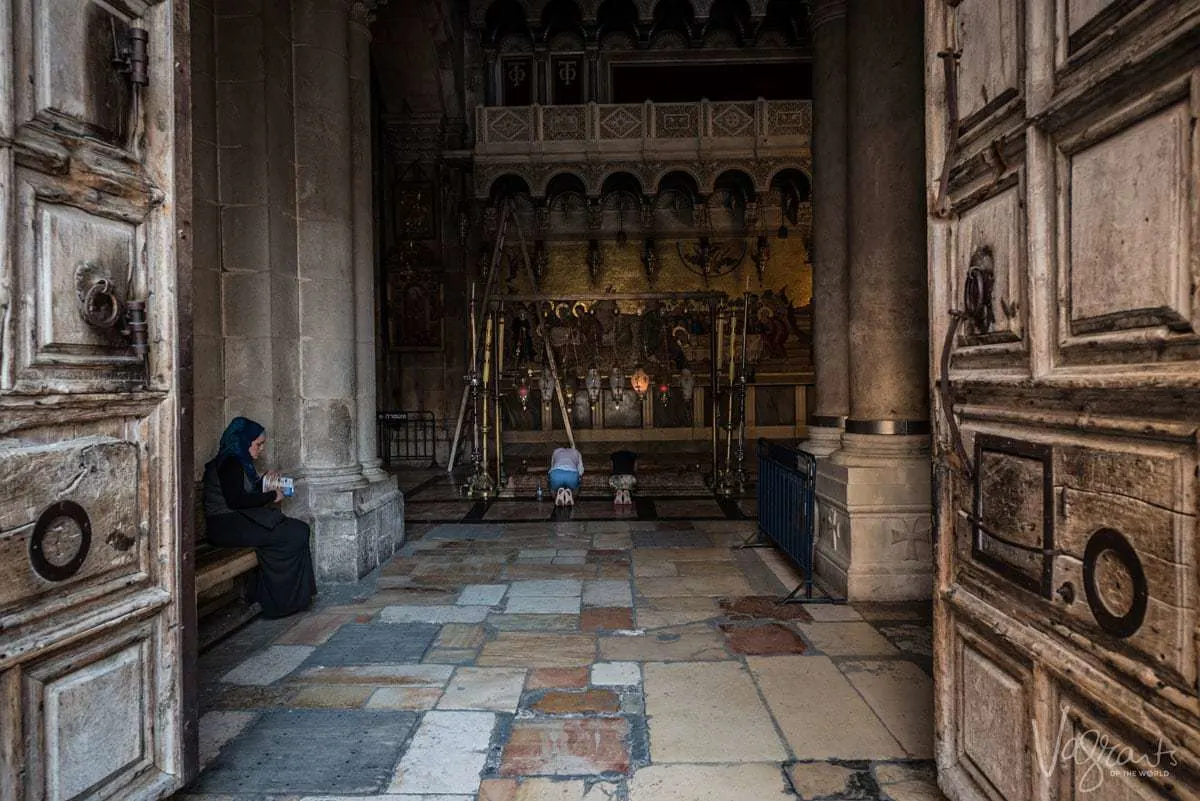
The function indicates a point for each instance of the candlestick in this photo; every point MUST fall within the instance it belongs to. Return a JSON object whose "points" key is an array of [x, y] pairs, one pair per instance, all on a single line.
{"points": [[720, 337], [474, 333], [732, 345], [487, 352]]}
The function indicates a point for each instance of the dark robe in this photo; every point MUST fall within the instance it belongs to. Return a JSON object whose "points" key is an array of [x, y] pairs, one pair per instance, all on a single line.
{"points": [[239, 516]]}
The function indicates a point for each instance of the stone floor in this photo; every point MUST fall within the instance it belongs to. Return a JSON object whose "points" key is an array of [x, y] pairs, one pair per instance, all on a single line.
{"points": [[516, 653]]}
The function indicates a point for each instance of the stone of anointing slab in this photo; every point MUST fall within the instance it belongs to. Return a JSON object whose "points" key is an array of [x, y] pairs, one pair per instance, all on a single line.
{"points": [[269, 666], [493, 689], [687, 702]]}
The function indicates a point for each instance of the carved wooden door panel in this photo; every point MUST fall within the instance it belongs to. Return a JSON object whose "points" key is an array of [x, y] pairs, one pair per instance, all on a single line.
{"points": [[1062, 151], [90, 574]]}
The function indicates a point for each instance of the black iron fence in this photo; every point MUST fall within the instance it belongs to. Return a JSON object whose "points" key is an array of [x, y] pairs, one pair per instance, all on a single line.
{"points": [[407, 439], [786, 491]]}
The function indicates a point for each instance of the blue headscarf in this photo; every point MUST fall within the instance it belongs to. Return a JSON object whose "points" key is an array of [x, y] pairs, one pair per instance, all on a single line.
{"points": [[239, 435]]}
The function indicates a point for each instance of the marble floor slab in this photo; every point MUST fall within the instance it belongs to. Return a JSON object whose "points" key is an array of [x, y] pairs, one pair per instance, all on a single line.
{"points": [[687, 702], [569, 659], [819, 711]]}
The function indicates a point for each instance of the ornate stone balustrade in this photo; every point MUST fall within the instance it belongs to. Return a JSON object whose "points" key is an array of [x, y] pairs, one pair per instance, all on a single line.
{"points": [[756, 136]]}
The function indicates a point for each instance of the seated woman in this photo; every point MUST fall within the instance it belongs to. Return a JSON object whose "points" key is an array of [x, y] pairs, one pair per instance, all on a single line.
{"points": [[240, 515], [566, 468]]}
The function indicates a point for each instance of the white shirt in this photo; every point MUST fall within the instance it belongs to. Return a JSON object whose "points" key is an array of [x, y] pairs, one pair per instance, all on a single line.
{"points": [[566, 459]]}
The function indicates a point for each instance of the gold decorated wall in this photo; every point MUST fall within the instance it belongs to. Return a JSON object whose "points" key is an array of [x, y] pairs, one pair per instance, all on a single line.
{"points": [[788, 271]]}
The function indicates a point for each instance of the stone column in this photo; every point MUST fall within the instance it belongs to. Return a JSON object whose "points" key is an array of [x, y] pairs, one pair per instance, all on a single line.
{"points": [[830, 271], [364, 238], [875, 492], [326, 252], [355, 524]]}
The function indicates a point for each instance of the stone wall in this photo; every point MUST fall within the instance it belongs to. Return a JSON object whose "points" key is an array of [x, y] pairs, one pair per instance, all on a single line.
{"points": [[285, 306]]}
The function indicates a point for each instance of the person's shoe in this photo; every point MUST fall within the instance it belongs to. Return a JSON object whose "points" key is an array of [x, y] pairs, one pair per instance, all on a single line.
{"points": [[558, 497], [569, 498]]}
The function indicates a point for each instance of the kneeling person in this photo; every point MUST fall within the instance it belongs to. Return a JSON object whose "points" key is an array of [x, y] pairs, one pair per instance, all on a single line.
{"points": [[566, 468]]}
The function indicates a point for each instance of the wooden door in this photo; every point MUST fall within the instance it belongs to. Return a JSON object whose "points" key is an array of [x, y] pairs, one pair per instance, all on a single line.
{"points": [[1065, 233], [91, 632]]}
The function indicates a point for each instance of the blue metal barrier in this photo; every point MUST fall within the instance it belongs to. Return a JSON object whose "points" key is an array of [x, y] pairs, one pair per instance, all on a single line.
{"points": [[786, 491]]}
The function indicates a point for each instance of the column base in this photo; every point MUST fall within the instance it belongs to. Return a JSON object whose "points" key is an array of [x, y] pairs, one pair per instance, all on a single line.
{"points": [[372, 470], [874, 519], [822, 441], [355, 527]]}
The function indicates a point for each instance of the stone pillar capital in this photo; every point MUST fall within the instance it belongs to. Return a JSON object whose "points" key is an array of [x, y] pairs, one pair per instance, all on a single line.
{"points": [[826, 11]]}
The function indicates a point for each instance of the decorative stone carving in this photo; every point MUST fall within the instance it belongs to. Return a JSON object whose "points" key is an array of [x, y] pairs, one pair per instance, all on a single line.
{"points": [[676, 120], [732, 119]]}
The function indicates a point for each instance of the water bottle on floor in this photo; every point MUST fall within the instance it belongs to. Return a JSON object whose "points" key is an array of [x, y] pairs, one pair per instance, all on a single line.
{"points": [[539, 492]]}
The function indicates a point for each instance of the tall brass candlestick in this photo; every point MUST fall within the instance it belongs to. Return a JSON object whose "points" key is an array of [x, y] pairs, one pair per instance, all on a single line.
{"points": [[474, 333], [720, 338], [487, 371]]}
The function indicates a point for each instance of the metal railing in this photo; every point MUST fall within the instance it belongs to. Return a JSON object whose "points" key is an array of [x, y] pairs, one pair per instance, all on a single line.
{"points": [[407, 439], [786, 493]]}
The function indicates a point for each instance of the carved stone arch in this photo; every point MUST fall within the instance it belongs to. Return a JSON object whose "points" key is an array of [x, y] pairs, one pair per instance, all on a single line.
{"points": [[567, 177], [699, 185], [610, 178], [504, 182], [567, 42], [742, 173], [516, 43], [774, 169]]}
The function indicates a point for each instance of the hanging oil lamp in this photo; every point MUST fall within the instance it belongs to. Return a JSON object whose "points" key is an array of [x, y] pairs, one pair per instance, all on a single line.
{"points": [[546, 385], [593, 386], [616, 385], [640, 381], [687, 383], [523, 394]]}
